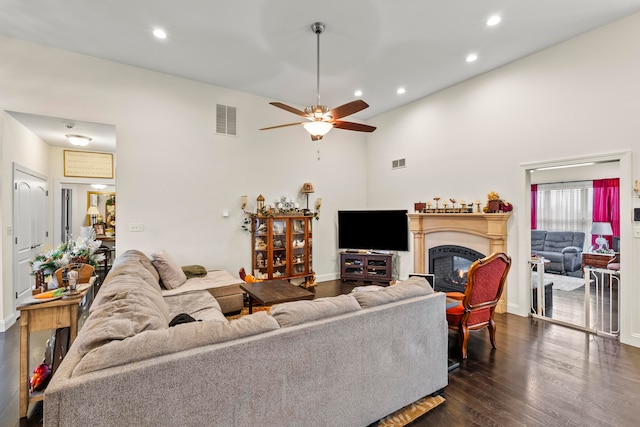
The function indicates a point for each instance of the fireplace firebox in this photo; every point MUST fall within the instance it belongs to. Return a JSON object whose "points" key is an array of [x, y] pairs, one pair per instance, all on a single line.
{"points": [[449, 264]]}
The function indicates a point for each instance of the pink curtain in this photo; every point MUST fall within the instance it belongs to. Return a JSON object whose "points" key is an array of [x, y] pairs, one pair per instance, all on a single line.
{"points": [[606, 205], [534, 206]]}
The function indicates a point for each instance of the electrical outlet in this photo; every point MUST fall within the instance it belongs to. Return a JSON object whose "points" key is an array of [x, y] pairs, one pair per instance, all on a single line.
{"points": [[636, 233], [136, 227]]}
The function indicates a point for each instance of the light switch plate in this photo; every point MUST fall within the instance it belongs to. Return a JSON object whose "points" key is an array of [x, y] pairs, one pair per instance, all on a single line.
{"points": [[136, 227]]}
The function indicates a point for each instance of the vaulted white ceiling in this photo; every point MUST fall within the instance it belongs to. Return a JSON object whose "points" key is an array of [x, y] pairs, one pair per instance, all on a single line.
{"points": [[266, 47]]}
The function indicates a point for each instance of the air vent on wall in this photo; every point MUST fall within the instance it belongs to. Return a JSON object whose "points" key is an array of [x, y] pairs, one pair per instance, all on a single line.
{"points": [[226, 120], [397, 164]]}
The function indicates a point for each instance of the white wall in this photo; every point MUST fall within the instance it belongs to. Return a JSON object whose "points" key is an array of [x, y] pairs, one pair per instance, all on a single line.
{"points": [[174, 174], [27, 150], [577, 99]]}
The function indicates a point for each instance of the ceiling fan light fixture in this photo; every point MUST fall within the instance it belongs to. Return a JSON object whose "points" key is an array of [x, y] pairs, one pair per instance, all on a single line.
{"points": [[78, 140], [318, 128]]}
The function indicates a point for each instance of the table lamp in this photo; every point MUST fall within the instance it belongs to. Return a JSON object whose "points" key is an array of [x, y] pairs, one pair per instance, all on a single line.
{"points": [[93, 213], [601, 229]]}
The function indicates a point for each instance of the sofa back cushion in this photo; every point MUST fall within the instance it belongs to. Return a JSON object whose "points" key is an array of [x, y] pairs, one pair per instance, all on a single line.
{"points": [[537, 240], [412, 287], [556, 241], [135, 256], [124, 314], [182, 337], [297, 312]]}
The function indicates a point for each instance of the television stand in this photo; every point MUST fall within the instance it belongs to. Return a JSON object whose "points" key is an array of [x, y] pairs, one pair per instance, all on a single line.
{"points": [[366, 267]]}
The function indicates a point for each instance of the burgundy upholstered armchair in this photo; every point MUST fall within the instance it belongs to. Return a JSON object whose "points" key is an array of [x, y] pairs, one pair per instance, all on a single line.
{"points": [[486, 278]]}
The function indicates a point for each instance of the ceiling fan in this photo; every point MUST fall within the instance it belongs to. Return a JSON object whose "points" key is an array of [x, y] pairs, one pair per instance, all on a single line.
{"points": [[320, 118]]}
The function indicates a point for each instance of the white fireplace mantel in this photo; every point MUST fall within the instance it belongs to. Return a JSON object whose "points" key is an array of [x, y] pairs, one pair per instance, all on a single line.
{"points": [[490, 226]]}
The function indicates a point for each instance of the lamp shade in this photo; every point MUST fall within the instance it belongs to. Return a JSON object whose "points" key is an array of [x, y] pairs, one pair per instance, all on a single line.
{"points": [[601, 229], [93, 210], [307, 188]]}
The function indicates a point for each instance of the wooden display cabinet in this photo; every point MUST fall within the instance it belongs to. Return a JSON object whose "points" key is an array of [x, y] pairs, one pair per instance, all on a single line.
{"points": [[366, 267], [282, 248]]}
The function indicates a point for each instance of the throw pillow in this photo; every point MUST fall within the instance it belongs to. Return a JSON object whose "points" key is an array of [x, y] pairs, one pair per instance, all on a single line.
{"points": [[171, 274], [194, 271]]}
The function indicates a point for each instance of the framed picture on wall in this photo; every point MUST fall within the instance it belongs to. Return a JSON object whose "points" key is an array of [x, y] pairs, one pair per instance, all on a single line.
{"points": [[88, 164]]}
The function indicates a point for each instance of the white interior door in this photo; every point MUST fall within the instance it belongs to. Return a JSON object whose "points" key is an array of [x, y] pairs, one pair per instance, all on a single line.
{"points": [[29, 225]]}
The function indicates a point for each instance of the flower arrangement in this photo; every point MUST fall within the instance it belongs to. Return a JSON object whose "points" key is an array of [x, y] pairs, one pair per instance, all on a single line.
{"points": [[82, 249], [496, 204]]}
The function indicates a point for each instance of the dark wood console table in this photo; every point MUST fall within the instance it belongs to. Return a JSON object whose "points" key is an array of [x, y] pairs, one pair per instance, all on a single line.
{"points": [[597, 260]]}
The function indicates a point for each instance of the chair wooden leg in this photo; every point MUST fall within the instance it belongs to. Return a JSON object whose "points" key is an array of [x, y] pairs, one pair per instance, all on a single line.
{"points": [[492, 332], [464, 339]]}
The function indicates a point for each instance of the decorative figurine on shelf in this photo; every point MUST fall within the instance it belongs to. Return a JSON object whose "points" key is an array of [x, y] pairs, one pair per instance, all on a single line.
{"points": [[260, 204], [493, 202]]}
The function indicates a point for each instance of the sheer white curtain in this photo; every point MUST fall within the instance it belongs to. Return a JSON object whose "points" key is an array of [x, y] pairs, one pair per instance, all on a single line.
{"points": [[565, 206]]}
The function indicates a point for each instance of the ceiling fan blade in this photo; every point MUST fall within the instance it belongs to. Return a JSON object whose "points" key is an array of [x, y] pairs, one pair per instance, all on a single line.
{"points": [[353, 126], [289, 109], [348, 109], [282, 126]]}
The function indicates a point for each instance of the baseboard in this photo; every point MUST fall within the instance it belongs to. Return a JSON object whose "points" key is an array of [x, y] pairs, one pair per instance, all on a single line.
{"points": [[8, 322]]}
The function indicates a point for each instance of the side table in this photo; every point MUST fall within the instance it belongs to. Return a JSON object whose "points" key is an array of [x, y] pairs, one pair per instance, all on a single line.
{"points": [[60, 313], [597, 260]]}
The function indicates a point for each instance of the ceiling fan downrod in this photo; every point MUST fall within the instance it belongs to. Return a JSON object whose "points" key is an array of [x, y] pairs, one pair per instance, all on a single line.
{"points": [[318, 28]]}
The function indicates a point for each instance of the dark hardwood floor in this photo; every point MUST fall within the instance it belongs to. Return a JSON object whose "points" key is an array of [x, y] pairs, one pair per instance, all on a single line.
{"points": [[541, 374]]}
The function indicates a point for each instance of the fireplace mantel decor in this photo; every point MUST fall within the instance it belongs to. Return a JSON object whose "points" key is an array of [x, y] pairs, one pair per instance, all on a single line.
{"points": [[490, 226]]}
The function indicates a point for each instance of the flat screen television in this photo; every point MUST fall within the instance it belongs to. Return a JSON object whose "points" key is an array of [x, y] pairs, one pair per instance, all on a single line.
{"points": [[384, 230]]}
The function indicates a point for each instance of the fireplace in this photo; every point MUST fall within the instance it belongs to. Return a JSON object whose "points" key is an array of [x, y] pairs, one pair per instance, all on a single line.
{"points": [[449, 264], [482, 233]]}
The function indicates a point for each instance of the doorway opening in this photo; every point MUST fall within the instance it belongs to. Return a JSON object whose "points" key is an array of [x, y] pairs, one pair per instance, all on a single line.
{"points": [[561, 298]]}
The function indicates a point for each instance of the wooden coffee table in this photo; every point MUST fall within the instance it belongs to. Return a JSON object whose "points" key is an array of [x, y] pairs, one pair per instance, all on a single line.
{"points": [[273, 292]]}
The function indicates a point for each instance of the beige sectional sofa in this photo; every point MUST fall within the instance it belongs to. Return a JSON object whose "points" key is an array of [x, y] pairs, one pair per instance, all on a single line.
{"points": [[341, 361]]}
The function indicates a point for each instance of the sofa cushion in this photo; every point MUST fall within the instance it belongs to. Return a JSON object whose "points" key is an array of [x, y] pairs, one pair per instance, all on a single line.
{"points": [[124, 315], [556, 241], [171, 273], [201, 305], [537, 240], [137, 257], [412, 287], [297, 312], [181, 337]]}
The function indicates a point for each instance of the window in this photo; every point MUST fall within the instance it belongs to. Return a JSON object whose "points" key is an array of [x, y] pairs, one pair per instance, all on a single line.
{"points": [[565, 206]]}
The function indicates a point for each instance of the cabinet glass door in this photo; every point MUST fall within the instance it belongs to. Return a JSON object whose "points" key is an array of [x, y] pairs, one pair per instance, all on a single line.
{"points": [[298, 246], [260, 249], [279, 255]]}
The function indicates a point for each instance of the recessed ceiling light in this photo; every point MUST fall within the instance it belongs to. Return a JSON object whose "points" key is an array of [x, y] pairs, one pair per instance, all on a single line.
{"points": [[401, 90], [160, 33], [472, 57], [357, 93], [493, 20]]}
